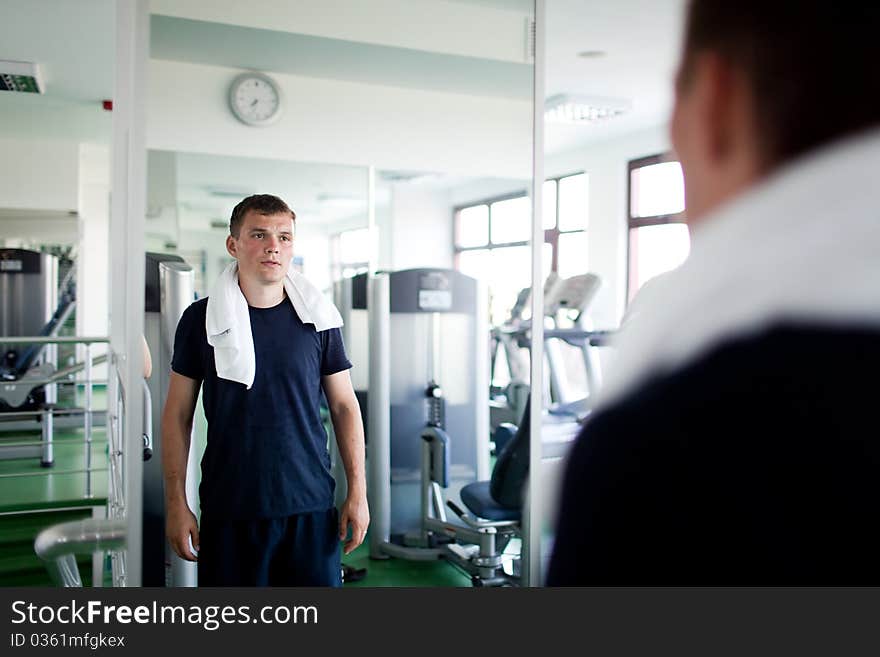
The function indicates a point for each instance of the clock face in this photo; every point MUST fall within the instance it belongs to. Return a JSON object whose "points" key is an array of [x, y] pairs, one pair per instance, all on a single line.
{"points": [[254, 99]]}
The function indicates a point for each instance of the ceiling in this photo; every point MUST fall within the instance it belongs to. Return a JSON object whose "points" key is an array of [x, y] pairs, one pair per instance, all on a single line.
{"points": [[218, 44], [76, 64], [641, 42], [639, 39], [209, 186]]}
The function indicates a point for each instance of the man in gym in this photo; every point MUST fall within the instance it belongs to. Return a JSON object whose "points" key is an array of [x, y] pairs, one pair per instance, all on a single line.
{"points": [[266, 494], [736, 441]]}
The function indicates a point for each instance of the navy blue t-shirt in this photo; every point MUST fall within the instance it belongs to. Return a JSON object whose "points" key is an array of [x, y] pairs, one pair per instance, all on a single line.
{"points": [[266, 455]]}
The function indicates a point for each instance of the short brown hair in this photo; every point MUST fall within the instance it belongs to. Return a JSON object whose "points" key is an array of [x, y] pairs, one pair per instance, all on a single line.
{"points": [[812, 65], [264, 204]]}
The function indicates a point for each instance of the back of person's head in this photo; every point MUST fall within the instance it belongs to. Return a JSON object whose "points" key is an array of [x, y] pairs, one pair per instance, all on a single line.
{"points": [[264, 204], [812, 66]]}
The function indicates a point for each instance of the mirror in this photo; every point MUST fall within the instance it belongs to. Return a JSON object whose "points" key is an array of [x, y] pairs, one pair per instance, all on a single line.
{"points": [[608, 99], [388, 129], [55, 135]]}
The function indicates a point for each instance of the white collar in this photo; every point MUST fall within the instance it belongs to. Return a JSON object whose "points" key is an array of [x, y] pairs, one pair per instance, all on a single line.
{"points": [[802, 246]]}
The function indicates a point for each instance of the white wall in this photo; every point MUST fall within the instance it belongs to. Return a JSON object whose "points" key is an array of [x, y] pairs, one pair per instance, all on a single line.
{"points": [[161, 223], [339, 122], [93, 258], [53, 119], [63, 189], [213, 243], [39, 174], [313, 245], [486, 188], [28, 229], [420, 228]]}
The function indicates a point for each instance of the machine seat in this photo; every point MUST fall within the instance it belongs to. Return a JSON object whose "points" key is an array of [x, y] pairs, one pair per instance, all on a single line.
{"points": [[477, 499], [501, 498]]}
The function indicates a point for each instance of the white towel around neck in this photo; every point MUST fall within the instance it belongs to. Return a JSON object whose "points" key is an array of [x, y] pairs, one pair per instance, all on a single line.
{"points": [[228, 323]]}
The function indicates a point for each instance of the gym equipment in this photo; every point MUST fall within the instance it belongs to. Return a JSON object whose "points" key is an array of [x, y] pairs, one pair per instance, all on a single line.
{"points": [[426, 335], [566, 322], [30, 307], [169, 291]]}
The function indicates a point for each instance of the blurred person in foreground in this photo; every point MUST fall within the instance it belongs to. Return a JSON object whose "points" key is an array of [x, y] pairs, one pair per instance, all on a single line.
{"points": [[736, 441]]}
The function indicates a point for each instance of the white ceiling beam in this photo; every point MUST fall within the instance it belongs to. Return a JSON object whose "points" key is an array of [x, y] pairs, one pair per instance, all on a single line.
{"points": [[431, 25]]}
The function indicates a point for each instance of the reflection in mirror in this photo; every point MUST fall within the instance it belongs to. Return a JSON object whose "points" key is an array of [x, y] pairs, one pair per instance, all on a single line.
{"points": [[613, 197], [415, 119], [55, 136], [191, 197]]}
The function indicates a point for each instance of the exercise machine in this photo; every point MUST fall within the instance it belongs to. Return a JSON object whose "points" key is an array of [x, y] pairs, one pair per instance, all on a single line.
{"points": [[168, 292]]}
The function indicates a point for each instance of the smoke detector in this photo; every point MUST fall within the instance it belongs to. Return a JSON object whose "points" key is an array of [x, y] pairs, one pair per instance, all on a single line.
{"points": [[20, 76]]}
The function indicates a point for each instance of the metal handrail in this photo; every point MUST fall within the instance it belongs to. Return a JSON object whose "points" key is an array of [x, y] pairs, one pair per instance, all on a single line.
{"points": [[42, 339], [57, 545], [39, 443], [49, 473], [37, 413], [49, 411]]}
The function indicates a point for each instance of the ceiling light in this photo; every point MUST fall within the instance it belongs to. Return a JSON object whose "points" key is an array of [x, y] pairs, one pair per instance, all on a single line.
{"points": [[564, 108], [229, 192], [340, 202], [20, 76]]}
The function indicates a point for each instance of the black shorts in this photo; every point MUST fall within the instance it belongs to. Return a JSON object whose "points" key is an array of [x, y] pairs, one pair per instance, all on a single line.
{"points": [[299, 550]]}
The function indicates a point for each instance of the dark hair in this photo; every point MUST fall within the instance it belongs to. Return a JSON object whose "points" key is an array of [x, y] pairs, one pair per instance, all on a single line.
{"points": [[264, 204], [812, 65]]}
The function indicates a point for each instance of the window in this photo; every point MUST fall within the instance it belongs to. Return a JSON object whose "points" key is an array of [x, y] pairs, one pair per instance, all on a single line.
{"points": [[658, 237], [492, 239]]}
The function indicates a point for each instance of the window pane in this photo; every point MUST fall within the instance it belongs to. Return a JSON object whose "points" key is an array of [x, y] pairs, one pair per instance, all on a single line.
{"points": [[573, 196], [512, 220], [505, 271], [353, 270], [657, 189], [473, 226], [354, 246], [654, 250], [511, 272], [549, 218], [572, 254], [477, 264]]}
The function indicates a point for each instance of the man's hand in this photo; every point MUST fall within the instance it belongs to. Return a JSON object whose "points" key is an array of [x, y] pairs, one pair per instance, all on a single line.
{"points": [[356, 513], [180, 525]]}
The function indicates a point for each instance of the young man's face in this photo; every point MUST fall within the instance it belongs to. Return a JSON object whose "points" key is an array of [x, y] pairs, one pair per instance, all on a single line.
{"points": [[264, 247]]}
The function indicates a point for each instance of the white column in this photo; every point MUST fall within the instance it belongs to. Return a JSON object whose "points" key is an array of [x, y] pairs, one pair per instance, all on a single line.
{"points": [[127, 254], [532, 512]]}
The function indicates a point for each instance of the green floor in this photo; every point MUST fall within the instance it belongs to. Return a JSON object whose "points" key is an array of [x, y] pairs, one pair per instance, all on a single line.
{"points": [[30, 503], [37, 488], [46, 497], [397, 572], [35, 497]]}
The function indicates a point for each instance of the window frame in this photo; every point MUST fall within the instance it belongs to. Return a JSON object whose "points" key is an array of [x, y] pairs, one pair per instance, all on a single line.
{"points": [[551, 235], [642, 222]]}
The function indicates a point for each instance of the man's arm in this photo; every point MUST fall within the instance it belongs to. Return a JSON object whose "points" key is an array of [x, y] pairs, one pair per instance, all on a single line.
{"points": [[148, 361], [177, 420], [346, 416]]}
